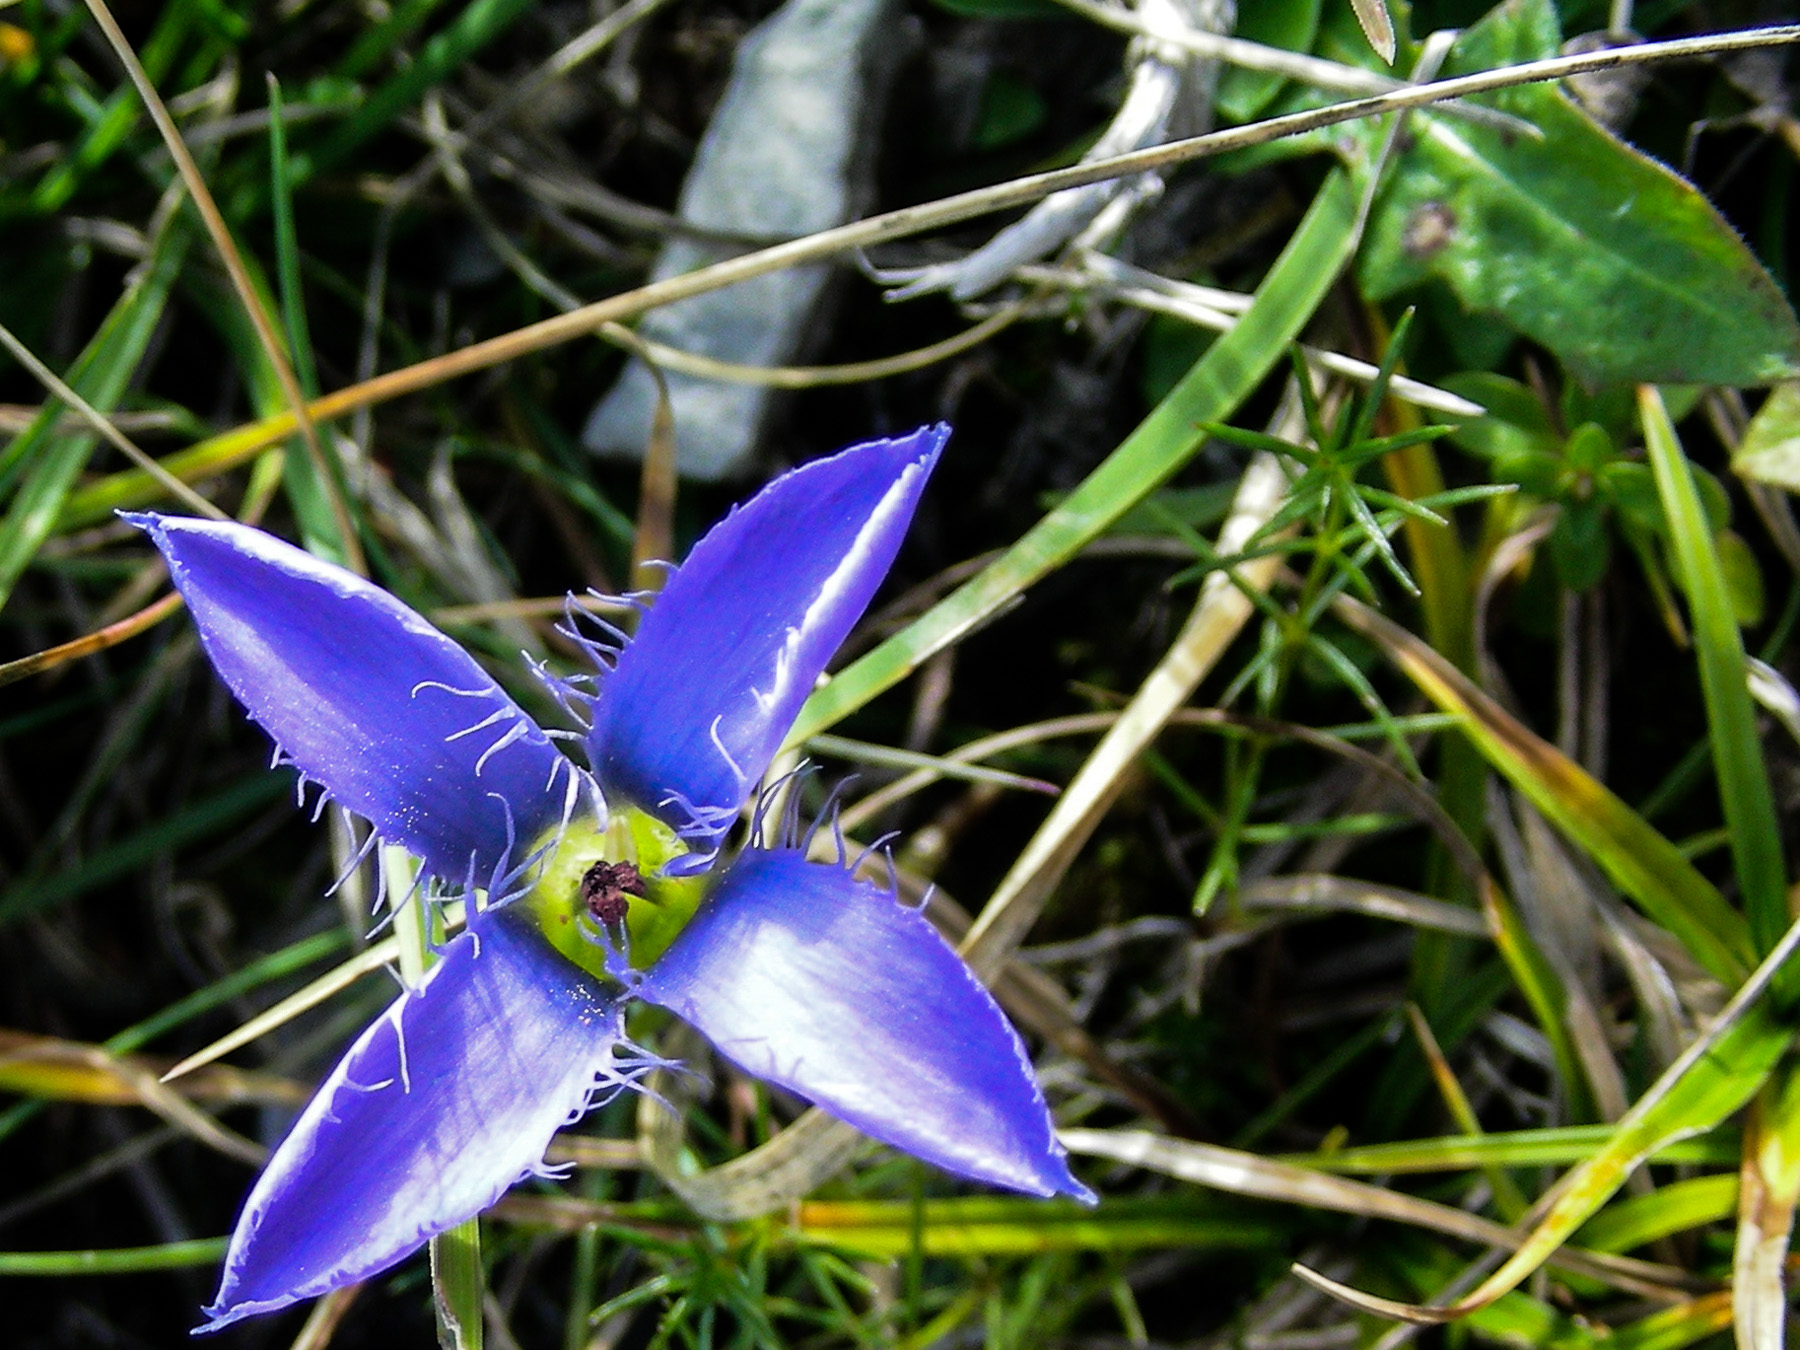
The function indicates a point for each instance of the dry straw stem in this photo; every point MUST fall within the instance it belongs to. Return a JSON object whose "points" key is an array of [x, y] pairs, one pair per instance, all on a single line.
{"points": [[1221, 612], [657, 354], [340, 977], [230, 447], [70, 1071], [240, 277], [98, 641], [1236, 51]]}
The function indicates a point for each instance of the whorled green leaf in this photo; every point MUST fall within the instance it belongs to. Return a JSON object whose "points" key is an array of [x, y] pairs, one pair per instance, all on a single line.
{"points": [[1219, 381], [1578, 241]]}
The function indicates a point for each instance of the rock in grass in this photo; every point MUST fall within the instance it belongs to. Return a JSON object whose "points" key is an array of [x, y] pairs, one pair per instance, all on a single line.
{"points": [[786, 154]]}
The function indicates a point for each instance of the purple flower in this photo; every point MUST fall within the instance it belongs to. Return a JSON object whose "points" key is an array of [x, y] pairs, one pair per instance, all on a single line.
{"points": [[599, 880]]}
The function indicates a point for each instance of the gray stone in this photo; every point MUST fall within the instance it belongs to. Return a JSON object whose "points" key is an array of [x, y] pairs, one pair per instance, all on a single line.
{"points": [[786, 154]]}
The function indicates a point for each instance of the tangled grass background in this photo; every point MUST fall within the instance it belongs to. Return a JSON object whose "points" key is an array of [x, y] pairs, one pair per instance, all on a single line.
{"points": [[1338, 681]]}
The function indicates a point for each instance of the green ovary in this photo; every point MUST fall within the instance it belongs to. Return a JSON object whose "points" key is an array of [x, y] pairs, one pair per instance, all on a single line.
{"points": [[652, 920]]}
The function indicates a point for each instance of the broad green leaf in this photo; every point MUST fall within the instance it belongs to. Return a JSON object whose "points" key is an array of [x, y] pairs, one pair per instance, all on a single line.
{"points": [[1601, 254], [1770, 449], [1580, 546], [1743, 578], [1730, 714], [1165, 440]]}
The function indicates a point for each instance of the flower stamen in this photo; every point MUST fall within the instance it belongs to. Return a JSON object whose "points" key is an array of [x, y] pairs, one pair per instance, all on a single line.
{"points": [[604, 888]]}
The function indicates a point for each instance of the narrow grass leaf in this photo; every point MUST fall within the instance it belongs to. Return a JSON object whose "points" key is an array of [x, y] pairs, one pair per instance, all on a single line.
{"points": [[115, 1260], [1724, 681], [124, 856], [1674, 1208], [1001, 1226], [1515, 1148]]}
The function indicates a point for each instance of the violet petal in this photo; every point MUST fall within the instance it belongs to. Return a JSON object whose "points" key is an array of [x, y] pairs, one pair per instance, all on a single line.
{"points": [[367, 698], [447, 1099], [701, 697], [828, 986]]}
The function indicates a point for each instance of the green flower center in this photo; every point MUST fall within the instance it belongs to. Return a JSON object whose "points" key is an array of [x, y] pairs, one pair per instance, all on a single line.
{"points": [[609, 882]]}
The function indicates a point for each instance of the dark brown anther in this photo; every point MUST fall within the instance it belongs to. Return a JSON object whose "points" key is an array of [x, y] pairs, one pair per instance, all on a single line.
{"points": [[604, 887]]}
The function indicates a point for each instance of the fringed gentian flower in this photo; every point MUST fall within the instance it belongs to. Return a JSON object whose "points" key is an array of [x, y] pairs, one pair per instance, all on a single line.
{"points": [[600, 881]]}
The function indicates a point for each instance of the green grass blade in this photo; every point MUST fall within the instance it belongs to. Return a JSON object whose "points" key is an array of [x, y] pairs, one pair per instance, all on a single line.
{"points": [[45, 461], [1674, 1208], [287, 249], [430, 65], [115, 1260], [1712, 1078], [1736, 747], [1557, 1146], [1218, 382], [128, 855], [456, 1277]]}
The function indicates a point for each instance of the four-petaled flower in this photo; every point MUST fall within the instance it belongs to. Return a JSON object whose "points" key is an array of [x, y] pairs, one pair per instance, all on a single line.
{"points": [[599, 880]]}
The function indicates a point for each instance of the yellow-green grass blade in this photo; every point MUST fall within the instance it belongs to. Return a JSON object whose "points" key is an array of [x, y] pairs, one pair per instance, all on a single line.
{"points": [[1516, 1148], [1544, 990], [1713, 1077], [1008, 1226], [1673, 1208]]}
